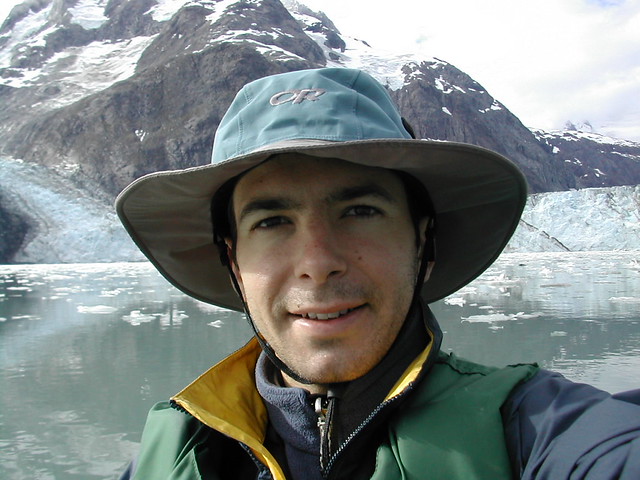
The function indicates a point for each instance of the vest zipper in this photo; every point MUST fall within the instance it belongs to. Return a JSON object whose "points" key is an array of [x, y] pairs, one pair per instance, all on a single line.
{"points": [[321, 412], [332, 459], [325, 408]]}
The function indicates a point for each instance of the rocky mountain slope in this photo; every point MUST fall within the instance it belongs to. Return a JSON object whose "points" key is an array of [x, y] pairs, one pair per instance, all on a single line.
{"points": [[103, 91]]}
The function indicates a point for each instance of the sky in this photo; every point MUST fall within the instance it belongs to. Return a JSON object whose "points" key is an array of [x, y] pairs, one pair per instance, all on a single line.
{"points": [[547, 61]]}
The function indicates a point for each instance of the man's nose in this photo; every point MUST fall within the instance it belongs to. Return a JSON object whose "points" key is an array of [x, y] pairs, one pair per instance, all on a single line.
{"points": [[319, 252]]}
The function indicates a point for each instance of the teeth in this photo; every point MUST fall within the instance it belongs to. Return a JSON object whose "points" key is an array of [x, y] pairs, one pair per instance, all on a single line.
{"points": [[326, 316]]}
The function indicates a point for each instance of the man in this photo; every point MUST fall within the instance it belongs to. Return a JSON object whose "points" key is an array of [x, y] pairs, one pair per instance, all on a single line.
{"points": [[332, 229]]}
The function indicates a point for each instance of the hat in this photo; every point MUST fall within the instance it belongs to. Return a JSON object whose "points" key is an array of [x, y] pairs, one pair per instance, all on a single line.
{"points": [[478, 195]]}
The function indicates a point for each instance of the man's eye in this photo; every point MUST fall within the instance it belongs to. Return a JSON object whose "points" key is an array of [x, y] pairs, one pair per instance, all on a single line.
{"points": [[270, 222], [361, 211]]}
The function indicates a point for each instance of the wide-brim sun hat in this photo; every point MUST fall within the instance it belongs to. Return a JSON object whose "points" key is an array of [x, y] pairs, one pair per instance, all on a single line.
{"points": [[478, 195]]}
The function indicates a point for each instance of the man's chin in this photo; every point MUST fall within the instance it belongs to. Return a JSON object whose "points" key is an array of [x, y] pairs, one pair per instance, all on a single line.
{"points": [[322, 380]]}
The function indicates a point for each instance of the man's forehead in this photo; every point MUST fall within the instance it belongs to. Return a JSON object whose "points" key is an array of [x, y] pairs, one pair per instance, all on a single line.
{"points": [[296, 172]]}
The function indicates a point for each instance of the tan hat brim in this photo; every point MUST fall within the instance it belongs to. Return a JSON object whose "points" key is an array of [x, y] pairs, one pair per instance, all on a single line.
{"points": [[478, 197]]}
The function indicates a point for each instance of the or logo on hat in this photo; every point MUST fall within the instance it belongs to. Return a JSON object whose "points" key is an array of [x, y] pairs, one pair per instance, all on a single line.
{"points": [[297, 96]]}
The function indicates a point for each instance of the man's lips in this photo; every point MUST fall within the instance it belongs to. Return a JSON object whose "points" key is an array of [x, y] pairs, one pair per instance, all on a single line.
{"points": [[326, 315]]}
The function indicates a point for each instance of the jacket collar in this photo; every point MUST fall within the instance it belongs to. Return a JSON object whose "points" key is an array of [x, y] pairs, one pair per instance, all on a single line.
{"points": [[226, 399]]}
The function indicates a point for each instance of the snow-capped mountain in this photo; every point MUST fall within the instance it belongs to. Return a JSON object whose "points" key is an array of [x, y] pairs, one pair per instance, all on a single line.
{"points": [[95, 93], [593, 158]]}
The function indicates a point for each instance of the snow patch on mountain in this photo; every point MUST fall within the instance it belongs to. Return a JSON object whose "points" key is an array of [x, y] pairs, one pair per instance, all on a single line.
{"points": [[219, 9], [25, 34], [82, 71], [163, 10], [264, 48], [386, 67], [95, 67], [494, 106], [74, 72], [577, 135], [447, 88], [89, 14]]}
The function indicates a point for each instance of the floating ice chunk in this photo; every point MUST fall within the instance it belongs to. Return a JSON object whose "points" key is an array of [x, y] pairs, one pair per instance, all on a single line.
{"points": [[558, 333], [500, 279], [25, 317], [216, 323], [96, 309], [136, 318], [625, 299], [524, 316], [491, 317], [19, 289], [459, 301]]}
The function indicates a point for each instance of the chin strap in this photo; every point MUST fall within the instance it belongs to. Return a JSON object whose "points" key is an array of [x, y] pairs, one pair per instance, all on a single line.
{"points": [[266, 348], [429, 252]]}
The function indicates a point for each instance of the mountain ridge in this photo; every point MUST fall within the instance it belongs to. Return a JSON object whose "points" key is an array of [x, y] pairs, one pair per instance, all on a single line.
{"points": [[207, 50]]}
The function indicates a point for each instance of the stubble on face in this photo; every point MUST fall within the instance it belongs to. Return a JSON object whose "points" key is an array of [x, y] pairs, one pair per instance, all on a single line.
{"points": [[371, 266]]}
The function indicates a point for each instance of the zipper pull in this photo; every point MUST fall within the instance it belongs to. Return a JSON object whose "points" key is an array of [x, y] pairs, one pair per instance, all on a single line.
{"points": [[321, 412], [324, 408]]}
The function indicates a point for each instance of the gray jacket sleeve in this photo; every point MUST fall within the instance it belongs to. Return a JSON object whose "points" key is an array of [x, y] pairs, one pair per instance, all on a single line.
{"points": [[557, 429]]}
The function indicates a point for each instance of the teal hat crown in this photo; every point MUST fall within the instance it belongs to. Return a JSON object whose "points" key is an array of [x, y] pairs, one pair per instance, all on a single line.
{"points": [[331, 104], [477, 195]]}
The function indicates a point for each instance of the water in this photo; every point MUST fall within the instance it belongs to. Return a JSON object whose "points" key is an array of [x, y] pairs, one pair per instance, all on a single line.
{"points": [[86, 350]]}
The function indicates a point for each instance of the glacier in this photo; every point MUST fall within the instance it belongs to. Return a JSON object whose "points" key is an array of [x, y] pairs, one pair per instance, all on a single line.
{"points": [[590, 219], [70, 225]]}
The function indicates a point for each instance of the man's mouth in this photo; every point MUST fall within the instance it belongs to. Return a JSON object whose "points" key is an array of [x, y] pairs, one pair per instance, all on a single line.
{"points": [[326, 316]]}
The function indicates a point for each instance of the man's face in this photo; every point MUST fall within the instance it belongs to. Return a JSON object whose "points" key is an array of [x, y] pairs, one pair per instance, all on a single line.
{"points": [[326, 258]]}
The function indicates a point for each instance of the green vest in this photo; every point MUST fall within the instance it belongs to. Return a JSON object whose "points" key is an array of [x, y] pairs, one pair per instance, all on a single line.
{"points": [[450, 427]]}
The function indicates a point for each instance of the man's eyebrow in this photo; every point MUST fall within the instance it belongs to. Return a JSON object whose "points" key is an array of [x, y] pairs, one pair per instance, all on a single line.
{"points": [[345, 194], [365, 190], [266, 203]]}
